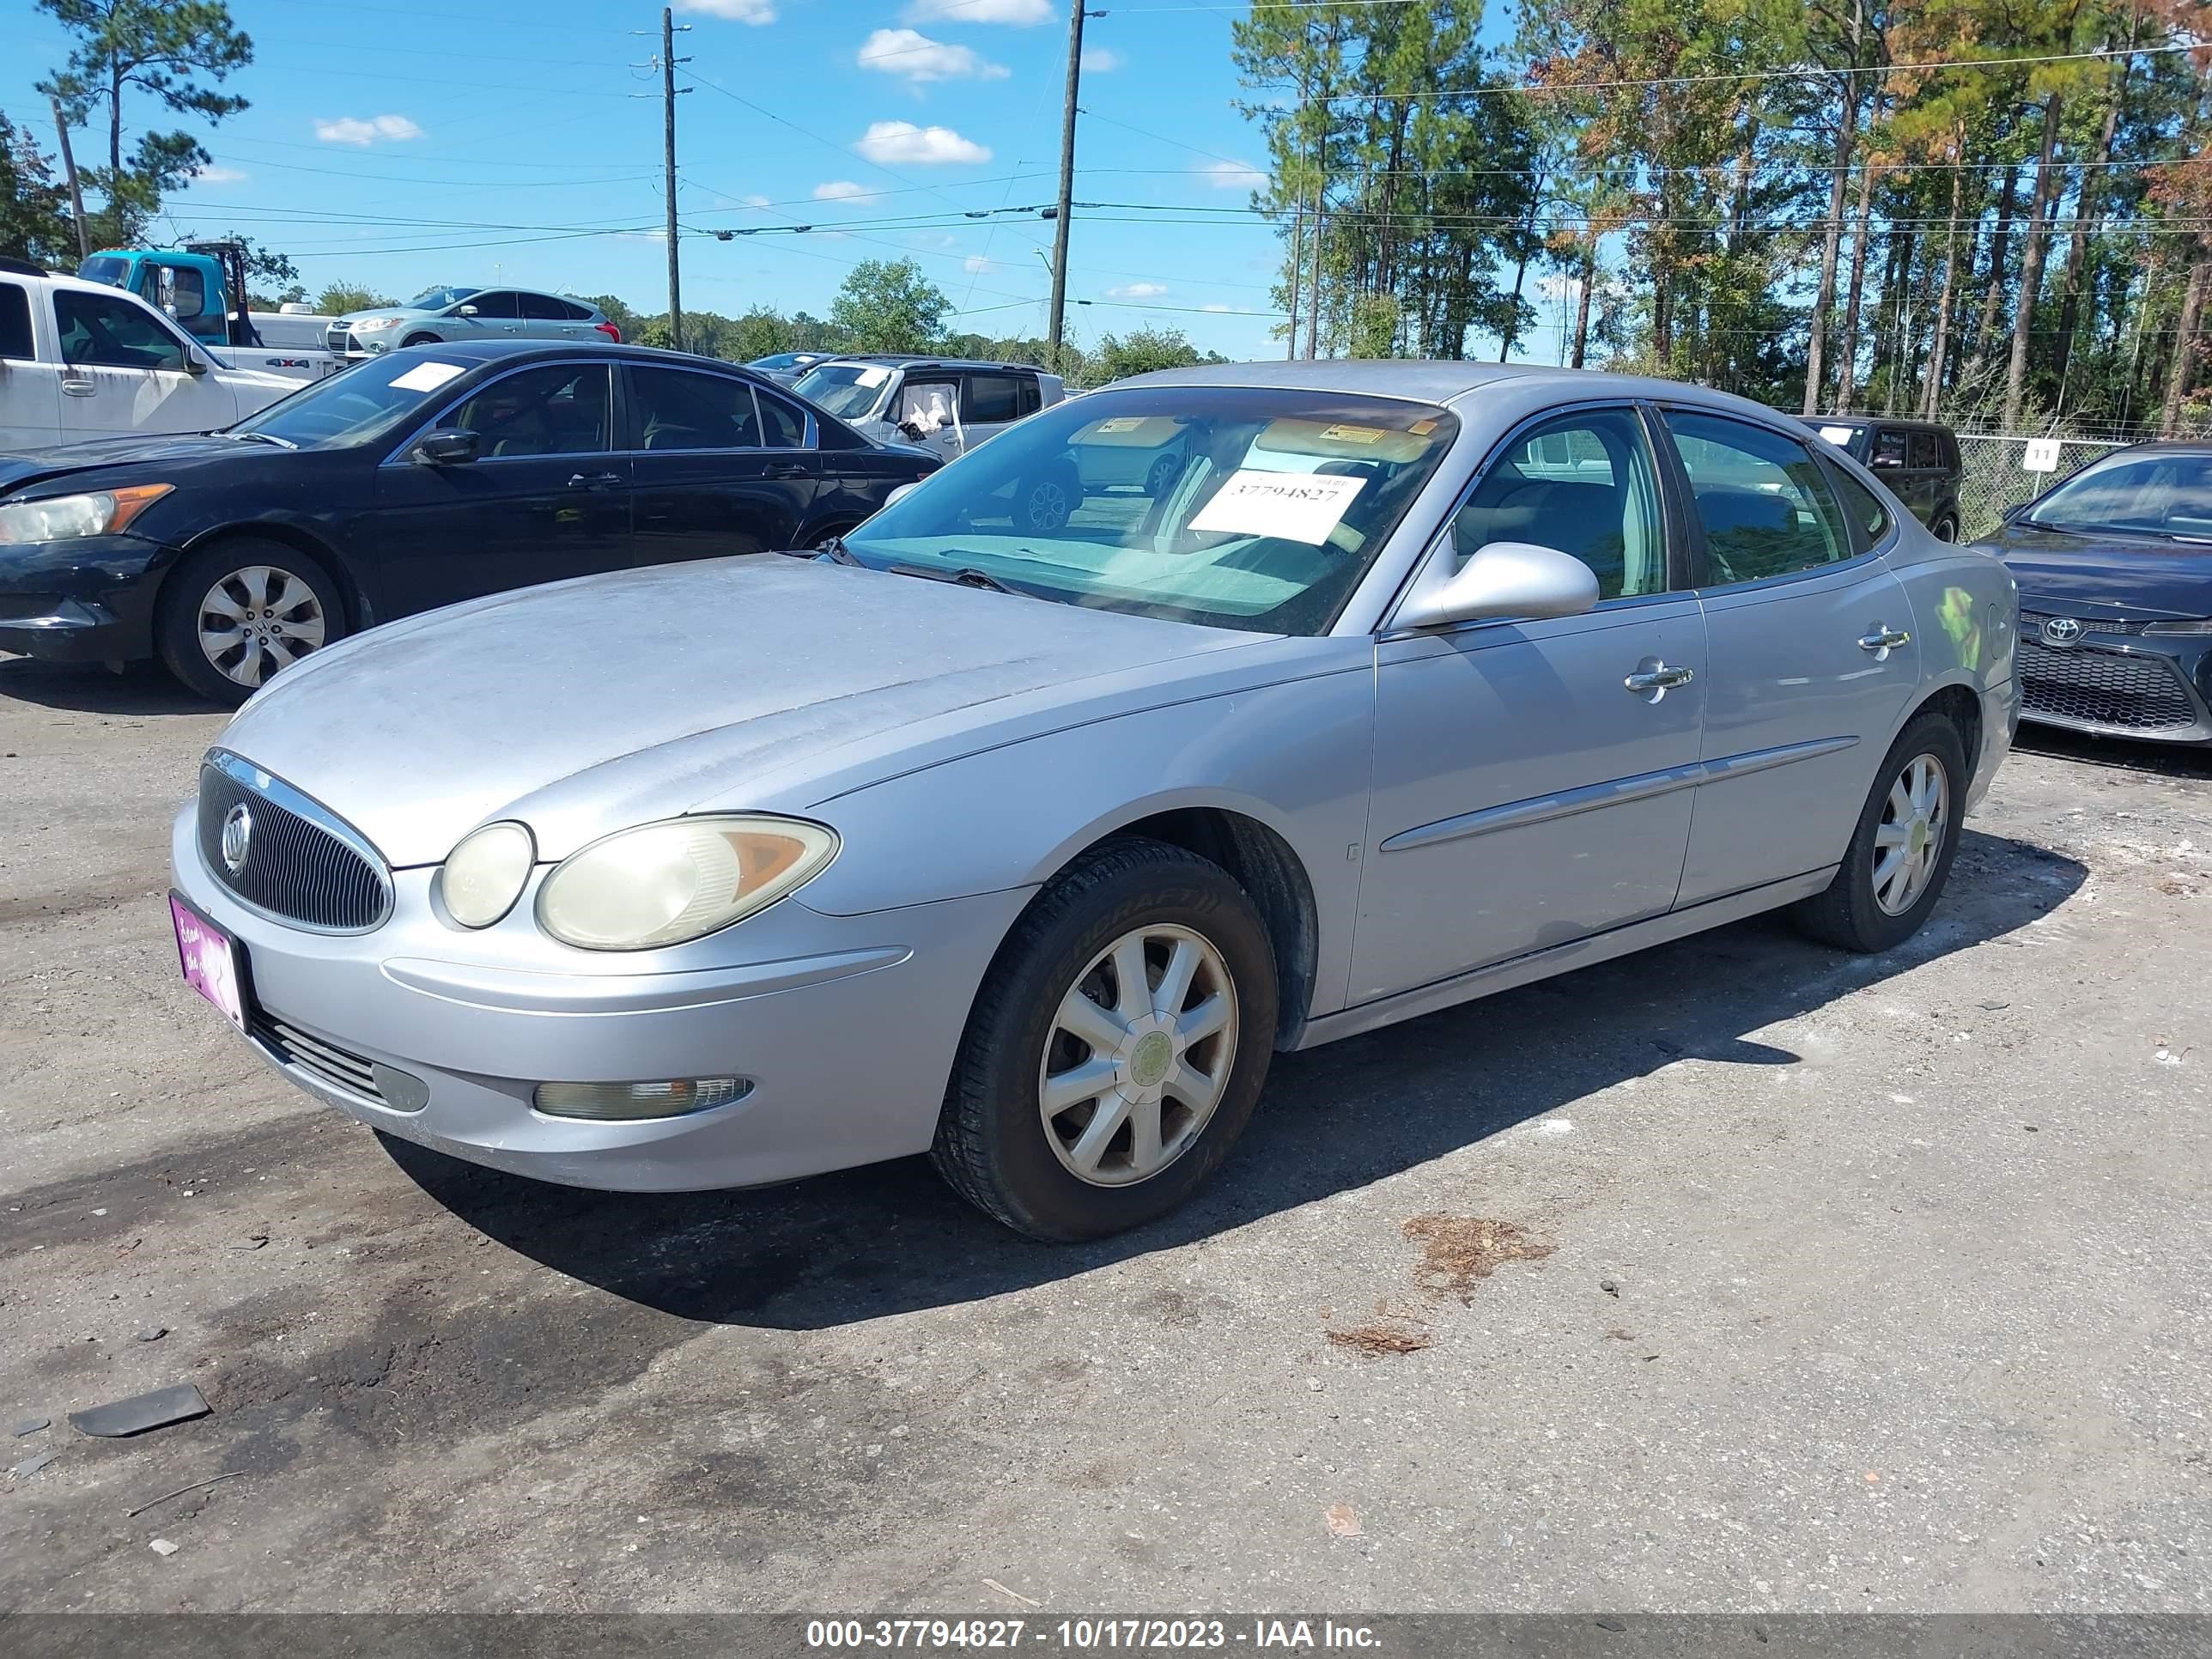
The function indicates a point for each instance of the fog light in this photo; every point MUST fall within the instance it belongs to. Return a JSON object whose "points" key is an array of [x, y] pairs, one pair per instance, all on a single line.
{"points": [[620, 1101]]}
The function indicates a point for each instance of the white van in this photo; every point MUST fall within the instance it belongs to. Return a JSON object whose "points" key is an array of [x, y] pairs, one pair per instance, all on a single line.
{"points": [[79, 361], [946, 405]]}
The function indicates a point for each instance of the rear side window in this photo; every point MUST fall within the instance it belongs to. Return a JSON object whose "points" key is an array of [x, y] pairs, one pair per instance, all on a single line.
{"points": [[15, 322], [1927, 450], [1764, 502], [1027, 391], [574, 313], [990, 400], [544, 308], [675, 409], [1861, 506], [782, 427]]}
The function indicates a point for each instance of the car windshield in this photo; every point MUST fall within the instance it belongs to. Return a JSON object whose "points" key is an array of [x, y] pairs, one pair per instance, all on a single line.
{"points": [[437, 299], [358, 405], [1233, 506], [2153, 495], [849, 391]]}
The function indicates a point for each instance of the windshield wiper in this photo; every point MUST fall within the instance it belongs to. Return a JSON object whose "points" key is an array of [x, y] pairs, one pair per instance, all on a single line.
{"points": [[261, 438], [836, 552], [966, 575]]}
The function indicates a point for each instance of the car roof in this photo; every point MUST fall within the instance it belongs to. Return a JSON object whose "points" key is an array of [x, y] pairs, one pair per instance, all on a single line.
{"points": [[1440, 381], [514, 350], [1902, 422], [28, 271], [904, 360]]}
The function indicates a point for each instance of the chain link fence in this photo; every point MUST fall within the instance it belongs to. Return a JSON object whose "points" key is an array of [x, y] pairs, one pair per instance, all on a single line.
{"points": [[1994, 475]]}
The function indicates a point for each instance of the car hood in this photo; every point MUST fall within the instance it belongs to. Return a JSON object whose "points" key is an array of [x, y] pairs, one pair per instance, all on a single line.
{"points": [[31, 466], [588, 705], [2140, 577], [352, 317]]}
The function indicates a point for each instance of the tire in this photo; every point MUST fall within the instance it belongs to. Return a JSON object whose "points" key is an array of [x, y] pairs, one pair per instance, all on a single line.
{"points": [[418, 339], [1855, 913], [232, 582], [1160, 477], [1044, 503], [995, 1143], [1945, 529]]}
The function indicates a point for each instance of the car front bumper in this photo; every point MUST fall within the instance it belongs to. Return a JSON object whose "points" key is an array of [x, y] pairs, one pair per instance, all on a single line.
{"points": [[88, 599], [2154, 689], [844, 1028]]}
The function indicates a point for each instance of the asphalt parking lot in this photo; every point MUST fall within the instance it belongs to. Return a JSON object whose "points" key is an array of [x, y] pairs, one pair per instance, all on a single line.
{"points": [[1739, 1275]]}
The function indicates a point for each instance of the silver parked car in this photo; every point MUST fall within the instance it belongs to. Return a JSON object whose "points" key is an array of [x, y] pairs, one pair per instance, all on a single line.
{"points": [[460, 313], [1419, 682]]}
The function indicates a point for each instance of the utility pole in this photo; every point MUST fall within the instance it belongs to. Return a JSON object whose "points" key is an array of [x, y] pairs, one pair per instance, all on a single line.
{"points": [[1067, 176], [77, 193], [668, 146]]}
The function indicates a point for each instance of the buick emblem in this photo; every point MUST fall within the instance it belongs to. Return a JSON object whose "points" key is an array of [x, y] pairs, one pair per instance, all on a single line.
{"points": [[237, 837], [2061, 630]]}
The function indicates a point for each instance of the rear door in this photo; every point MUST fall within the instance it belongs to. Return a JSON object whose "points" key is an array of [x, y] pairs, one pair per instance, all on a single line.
{"points": [[30, 389], [1810, 639], [548, 318], [124, 368], [547, 498], [711, 478]]}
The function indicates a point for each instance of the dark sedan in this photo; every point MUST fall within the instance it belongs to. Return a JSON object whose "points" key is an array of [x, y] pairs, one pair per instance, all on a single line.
{"points": [[414, 480], [2115, 573]]}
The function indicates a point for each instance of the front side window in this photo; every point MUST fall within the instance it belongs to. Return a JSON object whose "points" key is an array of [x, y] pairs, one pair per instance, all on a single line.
{"points": [[16, 323], [437, 299], [673, 408], [1890, 449], [849, 391], [2168, 495], [188, 296], [1584, 484], [104, 332], [500, 306], [1764, 501], [1275, 505], [560, 409], [930, 405], [990, 400]]}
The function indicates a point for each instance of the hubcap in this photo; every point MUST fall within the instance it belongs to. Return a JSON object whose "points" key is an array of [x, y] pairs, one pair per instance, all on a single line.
{"points": [[256, 620], [1048, 506], [1138, 1055], [1909, 838]]}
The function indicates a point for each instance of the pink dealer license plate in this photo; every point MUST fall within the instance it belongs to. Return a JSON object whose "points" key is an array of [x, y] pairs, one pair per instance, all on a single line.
{"points": [[214, 962]]}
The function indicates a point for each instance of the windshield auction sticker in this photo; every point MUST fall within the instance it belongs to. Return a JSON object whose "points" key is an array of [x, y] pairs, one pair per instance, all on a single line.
{"points": [[427, 377], [1296, 506]]}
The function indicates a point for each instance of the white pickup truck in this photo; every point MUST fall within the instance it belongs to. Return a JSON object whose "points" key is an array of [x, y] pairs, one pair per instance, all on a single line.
{"points": [[81, 360]]}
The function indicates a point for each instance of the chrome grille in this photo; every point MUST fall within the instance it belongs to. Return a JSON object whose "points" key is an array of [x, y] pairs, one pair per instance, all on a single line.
{"points": [[301, 863], [2035, 619], [2102, 688], [325, 1061]]}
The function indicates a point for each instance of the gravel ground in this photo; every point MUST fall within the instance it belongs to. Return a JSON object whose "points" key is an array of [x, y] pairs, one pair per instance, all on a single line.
{"points": [[1738, 1275]]}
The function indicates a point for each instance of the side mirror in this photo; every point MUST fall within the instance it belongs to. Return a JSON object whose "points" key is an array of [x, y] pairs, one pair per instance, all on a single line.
{"points": [[2012, 512], [466, 311], [195, 365], [1505, 578], [450, 447], [901, 493]]}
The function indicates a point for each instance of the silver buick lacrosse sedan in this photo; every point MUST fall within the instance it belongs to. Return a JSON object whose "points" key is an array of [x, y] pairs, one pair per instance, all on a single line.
{"points": [[1024, 826]]}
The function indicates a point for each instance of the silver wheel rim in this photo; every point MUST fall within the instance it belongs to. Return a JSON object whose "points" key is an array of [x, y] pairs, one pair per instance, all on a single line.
{"points": [[259, 619], [1909, 839], [1138, 1055], [1047, 505], [1163, 476]]}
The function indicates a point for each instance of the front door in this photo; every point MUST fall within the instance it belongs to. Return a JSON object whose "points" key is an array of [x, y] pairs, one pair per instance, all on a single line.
{"points": [[1812, 650], [1533, 779], [927, 413], [30, 391], [124, 369], [547, 497], [708, 480]]}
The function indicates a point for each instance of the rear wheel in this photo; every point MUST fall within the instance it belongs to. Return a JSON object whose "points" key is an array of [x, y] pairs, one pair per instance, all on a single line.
{"points": [[1901, 854], [1162, 474], [1117, 1046], [1044, 504], [1945, 529], [242, 611]]}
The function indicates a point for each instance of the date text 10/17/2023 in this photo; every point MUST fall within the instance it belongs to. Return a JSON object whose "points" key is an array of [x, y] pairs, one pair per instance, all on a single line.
{"points": [[1088, 1635]]}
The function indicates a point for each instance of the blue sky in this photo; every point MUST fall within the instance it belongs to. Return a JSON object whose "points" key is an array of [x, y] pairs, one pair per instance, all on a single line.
{"points": [[402, 142]]}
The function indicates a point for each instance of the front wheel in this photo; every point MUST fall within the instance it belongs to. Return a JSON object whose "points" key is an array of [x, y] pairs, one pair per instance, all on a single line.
{"points": [[1901, 851], [1117, 1046], [419, 340], [1044, 504], [243, 610]]}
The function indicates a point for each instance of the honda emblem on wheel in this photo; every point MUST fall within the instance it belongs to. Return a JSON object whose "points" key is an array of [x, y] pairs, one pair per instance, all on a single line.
{"points": [[2061, 630], [237, 837]]}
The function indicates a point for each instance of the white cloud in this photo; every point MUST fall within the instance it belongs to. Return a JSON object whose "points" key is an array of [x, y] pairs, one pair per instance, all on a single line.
{"points": [[756, 201], [1101, 60], [1022, 13], [213, 175], [1225, 310], [374, 129], [890, 142], [1232, 175], [840, 189], [975, 264], [918, 58], [1556, 285], [1137, 291], [734, 11]]}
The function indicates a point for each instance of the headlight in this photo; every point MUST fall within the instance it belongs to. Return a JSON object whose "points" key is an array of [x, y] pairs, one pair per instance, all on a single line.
{"points": [[486, 873], [2200, 625], [60, 518], [370, 325], [663, 883]]}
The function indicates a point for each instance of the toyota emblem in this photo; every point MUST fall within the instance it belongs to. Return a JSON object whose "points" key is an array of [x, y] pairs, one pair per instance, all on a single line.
{"points": [[2061, 630], [237, 837]]}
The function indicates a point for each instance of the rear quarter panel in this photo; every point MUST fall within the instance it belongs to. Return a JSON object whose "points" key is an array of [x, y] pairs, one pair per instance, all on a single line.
{"points": [[1966, 609]]}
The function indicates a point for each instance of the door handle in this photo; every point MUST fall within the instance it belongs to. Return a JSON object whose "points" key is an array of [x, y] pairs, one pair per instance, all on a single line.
{"points": [[790, 470], [1662, 679], [593, 480], [1884, 639], [78, 388]]}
